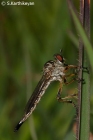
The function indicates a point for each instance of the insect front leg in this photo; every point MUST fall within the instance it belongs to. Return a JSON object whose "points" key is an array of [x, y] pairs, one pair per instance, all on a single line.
{"points": [[70, 66], [77, 68]]}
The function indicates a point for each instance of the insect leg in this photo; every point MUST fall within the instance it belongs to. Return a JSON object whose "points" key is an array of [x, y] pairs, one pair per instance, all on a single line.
{"points": [[72, 80], [84, 69], [69, 67], [78, 68], [66, 99]]}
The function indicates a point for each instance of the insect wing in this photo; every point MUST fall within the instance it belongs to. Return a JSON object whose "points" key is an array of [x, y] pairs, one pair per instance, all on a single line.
{"points": [[34, 99]]}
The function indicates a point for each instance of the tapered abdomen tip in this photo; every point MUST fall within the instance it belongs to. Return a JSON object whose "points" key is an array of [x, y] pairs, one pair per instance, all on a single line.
{"points": [[18, 126]]}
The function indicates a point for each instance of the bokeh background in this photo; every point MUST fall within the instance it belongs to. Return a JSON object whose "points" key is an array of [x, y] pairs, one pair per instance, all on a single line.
{"points": [[30, 36]]}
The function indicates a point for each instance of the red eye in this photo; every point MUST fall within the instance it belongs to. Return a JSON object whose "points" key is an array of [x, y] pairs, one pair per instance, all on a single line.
{"points": [[59, 57]]}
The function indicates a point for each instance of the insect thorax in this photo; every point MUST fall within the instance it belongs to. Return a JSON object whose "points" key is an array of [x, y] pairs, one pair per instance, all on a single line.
{"points": [[54, 69]]}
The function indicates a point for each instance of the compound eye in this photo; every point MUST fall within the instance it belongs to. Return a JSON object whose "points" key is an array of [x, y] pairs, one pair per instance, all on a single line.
{"points": [[59, 57]]}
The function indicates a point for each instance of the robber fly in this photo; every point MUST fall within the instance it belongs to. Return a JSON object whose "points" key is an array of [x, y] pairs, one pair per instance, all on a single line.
{"points": [[53, 70]]}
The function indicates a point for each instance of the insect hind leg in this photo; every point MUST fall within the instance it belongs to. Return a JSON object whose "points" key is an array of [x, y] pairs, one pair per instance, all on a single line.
{"points": [[67, 99]]}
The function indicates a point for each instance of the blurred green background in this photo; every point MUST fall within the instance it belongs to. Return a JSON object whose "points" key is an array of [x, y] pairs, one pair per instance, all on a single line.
{"points": [[30, 36]]}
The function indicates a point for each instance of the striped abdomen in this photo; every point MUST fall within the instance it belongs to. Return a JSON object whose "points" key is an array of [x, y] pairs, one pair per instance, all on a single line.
{"points": [[34, 99]]}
